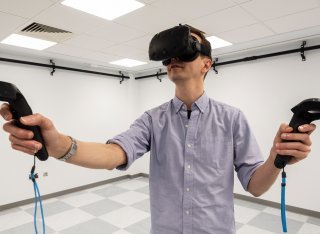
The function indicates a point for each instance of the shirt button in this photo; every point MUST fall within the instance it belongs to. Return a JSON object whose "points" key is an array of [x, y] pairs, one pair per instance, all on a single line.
{"points": [[187, 212], [187, 125], [189, 166], [188, 189], [189, 145]]}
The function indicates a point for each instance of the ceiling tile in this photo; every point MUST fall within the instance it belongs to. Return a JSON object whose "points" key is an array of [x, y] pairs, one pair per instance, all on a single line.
{"points": [[146, 1], [241, 1], [115, 32], [247, 33], [188, 9], [68, 50], [142, 57], [150, 19], [141, 43], [102, 57], [9, 24], [271, 9], [222, 21], [296, 21], [87, 42], [26, 9], [69, 19], [122, 50]]}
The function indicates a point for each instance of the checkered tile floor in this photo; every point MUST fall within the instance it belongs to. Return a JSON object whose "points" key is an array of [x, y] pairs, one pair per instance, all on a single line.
{"points": [[123, 208]]}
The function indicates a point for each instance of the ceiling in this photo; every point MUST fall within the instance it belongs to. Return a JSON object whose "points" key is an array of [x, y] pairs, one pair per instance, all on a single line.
{"points": [[96, 42]]}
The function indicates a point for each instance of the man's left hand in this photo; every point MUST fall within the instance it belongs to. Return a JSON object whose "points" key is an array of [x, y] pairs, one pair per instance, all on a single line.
{"points": [[301, 146]]}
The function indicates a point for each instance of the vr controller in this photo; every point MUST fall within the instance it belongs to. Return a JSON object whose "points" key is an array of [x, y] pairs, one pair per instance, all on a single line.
{"points": [[176, 42], [303, 113], [19, 107]]}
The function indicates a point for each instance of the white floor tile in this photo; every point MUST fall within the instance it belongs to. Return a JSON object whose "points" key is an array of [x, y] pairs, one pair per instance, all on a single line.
{"points": [[124, 217], [14, 219], [244, 214], [309, 228], [82, 199], [133, 184], [121, 232], [129, 198], [67, 219], [246, 229]]}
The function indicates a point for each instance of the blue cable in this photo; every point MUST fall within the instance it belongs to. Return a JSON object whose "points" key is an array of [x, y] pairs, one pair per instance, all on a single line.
{"points": [[37, 196], [283, 202]]}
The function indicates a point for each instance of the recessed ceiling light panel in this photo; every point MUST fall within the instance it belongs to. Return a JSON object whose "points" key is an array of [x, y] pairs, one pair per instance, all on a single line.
{"points": [[128, 62], [217, 42], [27, 42], [107, 9]]}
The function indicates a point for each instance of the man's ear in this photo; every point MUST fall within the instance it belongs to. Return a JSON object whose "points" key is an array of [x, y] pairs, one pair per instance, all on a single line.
{"points": [[207, 63]]}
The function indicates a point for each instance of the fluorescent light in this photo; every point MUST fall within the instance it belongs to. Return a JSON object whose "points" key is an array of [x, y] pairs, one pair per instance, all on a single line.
{"points": [[128, 62], [107, 9], [27, 42], [217, 42]]}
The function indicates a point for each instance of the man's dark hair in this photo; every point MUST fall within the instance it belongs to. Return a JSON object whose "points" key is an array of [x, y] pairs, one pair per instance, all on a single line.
{"points": [[204, 41]]}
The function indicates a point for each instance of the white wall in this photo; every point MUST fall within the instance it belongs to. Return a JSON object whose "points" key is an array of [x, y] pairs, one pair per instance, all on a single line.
{"points": [[95, 108], [87, 107], [265, 90]]}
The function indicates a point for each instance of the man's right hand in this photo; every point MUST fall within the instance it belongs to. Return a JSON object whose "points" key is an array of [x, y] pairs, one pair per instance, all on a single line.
{"points": [[21, 139]]}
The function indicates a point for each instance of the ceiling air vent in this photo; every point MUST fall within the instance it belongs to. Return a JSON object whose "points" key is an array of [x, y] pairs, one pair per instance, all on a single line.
{"points": [[45, 32]]}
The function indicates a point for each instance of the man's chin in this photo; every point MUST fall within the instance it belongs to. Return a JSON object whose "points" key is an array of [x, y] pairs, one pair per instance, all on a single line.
{"points": [[174, 78]]}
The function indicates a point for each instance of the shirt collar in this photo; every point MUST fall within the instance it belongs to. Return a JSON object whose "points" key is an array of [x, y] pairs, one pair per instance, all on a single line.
{"points": [[202, 102]]}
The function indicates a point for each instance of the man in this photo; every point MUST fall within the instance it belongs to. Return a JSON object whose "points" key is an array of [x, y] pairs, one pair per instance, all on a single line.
{"points": [[195, 143]]}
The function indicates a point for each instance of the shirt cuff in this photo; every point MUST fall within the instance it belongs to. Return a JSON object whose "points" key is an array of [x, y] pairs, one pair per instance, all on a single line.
{"points": [[125, 145]]}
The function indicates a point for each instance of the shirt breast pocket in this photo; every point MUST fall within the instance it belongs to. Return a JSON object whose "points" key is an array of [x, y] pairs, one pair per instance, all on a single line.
{"points": [[216, 152]]}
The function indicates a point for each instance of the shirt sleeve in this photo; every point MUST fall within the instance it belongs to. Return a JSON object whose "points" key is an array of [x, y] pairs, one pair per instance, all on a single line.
{"points": [[135, 141], [247, 153]]}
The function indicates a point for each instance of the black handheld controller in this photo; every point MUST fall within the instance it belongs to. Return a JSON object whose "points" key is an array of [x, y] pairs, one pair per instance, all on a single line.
{"points": [[303, 113], [19, 107]]}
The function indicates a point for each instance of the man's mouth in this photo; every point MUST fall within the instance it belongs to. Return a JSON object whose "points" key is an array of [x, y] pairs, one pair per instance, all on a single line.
{"points": [[175, 66]]}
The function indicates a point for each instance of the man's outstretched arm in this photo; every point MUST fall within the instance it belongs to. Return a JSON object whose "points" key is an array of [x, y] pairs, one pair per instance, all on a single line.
{"points": [[88, 154]]}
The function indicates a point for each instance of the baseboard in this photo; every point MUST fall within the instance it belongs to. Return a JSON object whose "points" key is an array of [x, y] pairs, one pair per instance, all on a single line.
{"points": [[294, 209]]}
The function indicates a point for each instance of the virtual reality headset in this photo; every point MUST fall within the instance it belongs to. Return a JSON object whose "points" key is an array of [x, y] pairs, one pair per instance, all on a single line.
{"points": [[176, 42]]}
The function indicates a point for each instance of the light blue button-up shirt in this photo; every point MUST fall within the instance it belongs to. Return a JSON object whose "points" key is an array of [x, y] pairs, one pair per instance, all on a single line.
{"points": [[192, 163]]}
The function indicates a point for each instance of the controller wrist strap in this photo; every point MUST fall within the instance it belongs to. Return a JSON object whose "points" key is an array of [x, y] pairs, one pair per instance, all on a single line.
{"points": [[283, 201], [37, 197]]}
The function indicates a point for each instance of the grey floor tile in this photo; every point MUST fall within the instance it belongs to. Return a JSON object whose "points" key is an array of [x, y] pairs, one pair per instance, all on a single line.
{"points": [[144, 190], [142, 227], [143, 205], [314, 221], [272, 223], [94, 226], [110, 191], [238, 225], [248, 204], [52, 208], [9, 211], [27, 228], [101, 207]]}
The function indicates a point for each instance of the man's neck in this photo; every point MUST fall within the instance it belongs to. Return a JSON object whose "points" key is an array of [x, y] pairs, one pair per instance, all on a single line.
{"points": [[189, 93]]}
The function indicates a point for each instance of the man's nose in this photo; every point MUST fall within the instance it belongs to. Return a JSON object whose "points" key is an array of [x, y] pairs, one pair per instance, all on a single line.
{"points": [[175, 59]]}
